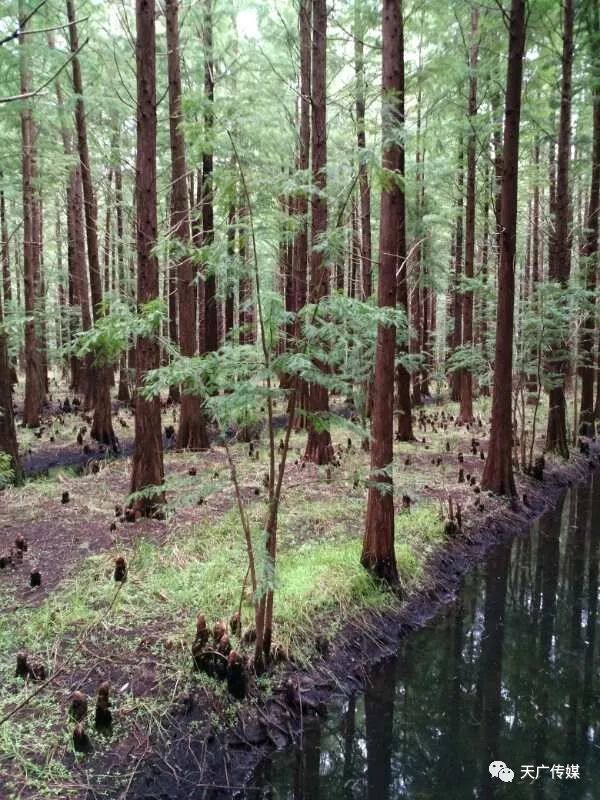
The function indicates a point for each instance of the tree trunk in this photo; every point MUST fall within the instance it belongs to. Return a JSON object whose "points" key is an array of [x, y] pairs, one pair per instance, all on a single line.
{"points": [[498, 471], [454, 378], [211, 329], [246, 288], [404, 431], [532, 385], [123, 394], [363, 170], [318, 446], [589, 253], [466, 386], [75, 248], [147, 467], [560, 266], [300, 245], [101, 375], [484, 390], [378, 554], [229, 288], [80, 274], [5, 258], [192, 428], [8, 435], [416, 322], [34, 391]]}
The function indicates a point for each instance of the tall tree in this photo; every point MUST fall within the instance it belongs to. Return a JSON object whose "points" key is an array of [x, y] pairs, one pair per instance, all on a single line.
{"points": [[75, 242], [404, 431], [560, 265], [589, 249], [378, 554], [300, 245], [8, 435], [363, 170], [5, 259], [192, 428], [318, 446], [211, 328], [498, 471], [34, 386], [147, 467], [466, 386], [98, 386]]}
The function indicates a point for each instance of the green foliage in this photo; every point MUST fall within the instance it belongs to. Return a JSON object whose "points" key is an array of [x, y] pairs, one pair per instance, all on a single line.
{"points": [[114, 329], [7, 473]]}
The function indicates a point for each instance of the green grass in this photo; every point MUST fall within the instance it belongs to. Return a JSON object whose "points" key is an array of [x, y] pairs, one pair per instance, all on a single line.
{"points": [[318, 579], [200, 568]]}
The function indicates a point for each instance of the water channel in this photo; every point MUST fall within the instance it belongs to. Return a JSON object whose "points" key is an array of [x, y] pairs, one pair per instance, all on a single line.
{"points": [[508, 673]]}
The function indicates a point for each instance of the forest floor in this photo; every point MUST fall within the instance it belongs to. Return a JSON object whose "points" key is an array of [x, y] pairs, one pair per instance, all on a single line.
{"points": [[174, 728]]}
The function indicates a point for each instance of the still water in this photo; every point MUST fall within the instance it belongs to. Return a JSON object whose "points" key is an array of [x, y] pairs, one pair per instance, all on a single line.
{"points": [[508, 673]]}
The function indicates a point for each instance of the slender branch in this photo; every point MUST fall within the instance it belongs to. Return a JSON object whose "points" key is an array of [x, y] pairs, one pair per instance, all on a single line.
{"points": [[52, 78], [55, 27], [22, 23], [243, 516]]}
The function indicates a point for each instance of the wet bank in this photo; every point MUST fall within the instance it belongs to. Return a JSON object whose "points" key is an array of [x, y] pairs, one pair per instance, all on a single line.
{"points": [[220, 762], [508, 672]]}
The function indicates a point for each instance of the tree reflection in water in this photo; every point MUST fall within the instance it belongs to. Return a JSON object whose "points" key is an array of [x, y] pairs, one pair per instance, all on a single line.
{"points": [[509, 672]]}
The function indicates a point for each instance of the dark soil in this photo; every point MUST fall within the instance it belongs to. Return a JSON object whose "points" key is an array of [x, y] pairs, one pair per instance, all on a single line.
{"points": [[193, 758]]}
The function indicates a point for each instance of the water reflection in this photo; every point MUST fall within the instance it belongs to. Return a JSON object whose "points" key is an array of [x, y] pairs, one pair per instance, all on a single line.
{"points": [[510, 672]]}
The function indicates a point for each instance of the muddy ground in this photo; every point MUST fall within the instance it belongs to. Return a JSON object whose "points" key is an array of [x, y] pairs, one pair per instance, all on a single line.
{"points": [[216, 767], [203, 745]]}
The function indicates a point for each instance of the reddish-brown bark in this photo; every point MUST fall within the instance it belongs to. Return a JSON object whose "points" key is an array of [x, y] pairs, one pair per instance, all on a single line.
{"points": [[560, 265], [34, 389], [100, 376], [589, 252], [498, 471], [466, 384], [211, 328], [229, 289], [363, 171], [300, 244], [191, 433], [318, 446], [378, 555], [123, 394], [404, 430], [5, 258], [8, 435], [455, 337], [147, 467]]}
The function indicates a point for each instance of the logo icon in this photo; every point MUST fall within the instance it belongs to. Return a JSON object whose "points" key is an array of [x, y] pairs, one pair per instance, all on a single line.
{"points": [[498, 769]]}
